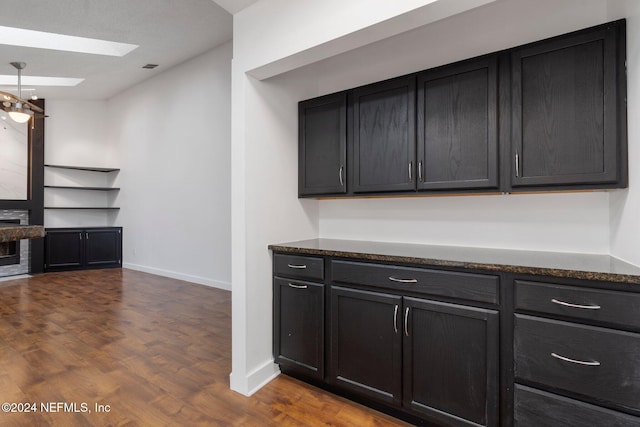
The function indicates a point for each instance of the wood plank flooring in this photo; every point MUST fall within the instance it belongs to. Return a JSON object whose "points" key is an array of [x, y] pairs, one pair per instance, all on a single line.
{"points": [[154, 351]]}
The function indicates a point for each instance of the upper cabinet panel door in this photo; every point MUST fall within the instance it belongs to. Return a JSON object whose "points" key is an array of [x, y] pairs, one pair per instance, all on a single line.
{"points": [[323, 145], [457, 126], [568, 120], [384, 136]]}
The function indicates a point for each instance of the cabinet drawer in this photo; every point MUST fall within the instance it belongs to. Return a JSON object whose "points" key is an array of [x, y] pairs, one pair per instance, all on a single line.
{"points": [[588, 361], [298, 266], [538, 408], [608, 307], [474, 287]]}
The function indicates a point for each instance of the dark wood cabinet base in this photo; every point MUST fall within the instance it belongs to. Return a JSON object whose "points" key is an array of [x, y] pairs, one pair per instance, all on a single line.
{"points": [[83, 248]]}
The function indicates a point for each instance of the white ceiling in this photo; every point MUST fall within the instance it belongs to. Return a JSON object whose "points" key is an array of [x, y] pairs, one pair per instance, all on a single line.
{"points": [[167, 31]]}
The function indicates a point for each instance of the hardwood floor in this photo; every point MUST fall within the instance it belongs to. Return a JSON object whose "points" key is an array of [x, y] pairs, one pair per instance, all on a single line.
{"points": [[157, 351]]}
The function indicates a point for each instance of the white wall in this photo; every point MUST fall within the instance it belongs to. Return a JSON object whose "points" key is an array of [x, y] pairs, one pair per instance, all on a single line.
{"points": [[264, 151], [171, 138], [625, 204], [75, 135]]}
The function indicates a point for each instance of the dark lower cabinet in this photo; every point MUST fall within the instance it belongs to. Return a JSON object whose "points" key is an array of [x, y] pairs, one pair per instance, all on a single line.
{"points": [[581, 370], [437, 360], [366, 343], [64, 249], [83, 248], [537, 408], [451, 362], [299, 326]]}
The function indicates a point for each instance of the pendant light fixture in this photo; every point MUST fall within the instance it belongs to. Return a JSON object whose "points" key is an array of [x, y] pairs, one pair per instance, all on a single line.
{"points": [[20, 110]]}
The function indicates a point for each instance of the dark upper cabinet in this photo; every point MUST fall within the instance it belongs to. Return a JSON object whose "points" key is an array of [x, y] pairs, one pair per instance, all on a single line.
{"points": [[550, 115], [384, 136], [366, 343], [299, 326], [568, 110], [322, 147], [457, 126], [451, 362]]}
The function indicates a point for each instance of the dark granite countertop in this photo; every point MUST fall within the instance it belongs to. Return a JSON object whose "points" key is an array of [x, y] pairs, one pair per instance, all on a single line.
{"points": [[555, 264], [13, 232]]}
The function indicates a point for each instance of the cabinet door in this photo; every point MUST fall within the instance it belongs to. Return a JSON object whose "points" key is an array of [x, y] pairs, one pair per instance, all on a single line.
{"points": [[366, 343], [298, 312], [568, 108], [451, 362], [322, 145], [64, 249], [384, 136], [103, 247], [457, 126]]}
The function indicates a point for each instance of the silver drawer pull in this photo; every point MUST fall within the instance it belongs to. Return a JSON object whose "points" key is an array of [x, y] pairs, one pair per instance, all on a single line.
{"points": [[568, 304], [299, 267], [579, 362], [297, 286], [393, 279]]}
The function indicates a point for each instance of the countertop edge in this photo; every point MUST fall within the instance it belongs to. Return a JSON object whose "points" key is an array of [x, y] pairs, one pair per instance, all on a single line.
{"points": [[13, 233], [492, 268]]}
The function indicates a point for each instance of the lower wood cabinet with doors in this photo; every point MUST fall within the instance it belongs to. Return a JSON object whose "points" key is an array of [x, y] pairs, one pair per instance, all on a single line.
{"points": [[419, 341], [395, 338], [450, 336], [83, 248], [299, 314]]}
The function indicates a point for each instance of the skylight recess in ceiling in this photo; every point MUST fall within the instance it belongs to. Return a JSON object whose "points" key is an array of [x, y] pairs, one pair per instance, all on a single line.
{"points": [[42, 40], [6, 80]]}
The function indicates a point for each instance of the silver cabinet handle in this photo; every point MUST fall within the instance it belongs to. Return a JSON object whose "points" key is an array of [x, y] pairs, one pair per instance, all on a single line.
{"points": [[87, 234], [395, 319], [420, 171], [578, 362], [298, 267], [340, 175], [517, 164], [80, 236], [568, 304], [291, 285], [393, 279], [406, 321], [410, 174]]}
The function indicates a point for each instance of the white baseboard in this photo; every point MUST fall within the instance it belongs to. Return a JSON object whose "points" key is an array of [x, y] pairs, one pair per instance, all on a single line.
{"points": [[254, 380], [180, 276]]}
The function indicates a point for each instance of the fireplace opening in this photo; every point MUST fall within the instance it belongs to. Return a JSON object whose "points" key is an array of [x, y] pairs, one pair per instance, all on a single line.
{"points": [[9, 251]]}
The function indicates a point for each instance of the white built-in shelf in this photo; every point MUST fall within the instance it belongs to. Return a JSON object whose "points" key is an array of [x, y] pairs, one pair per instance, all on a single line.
{"points": [[68, 187], [82, 188], [83, 168], [83, 207]]}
